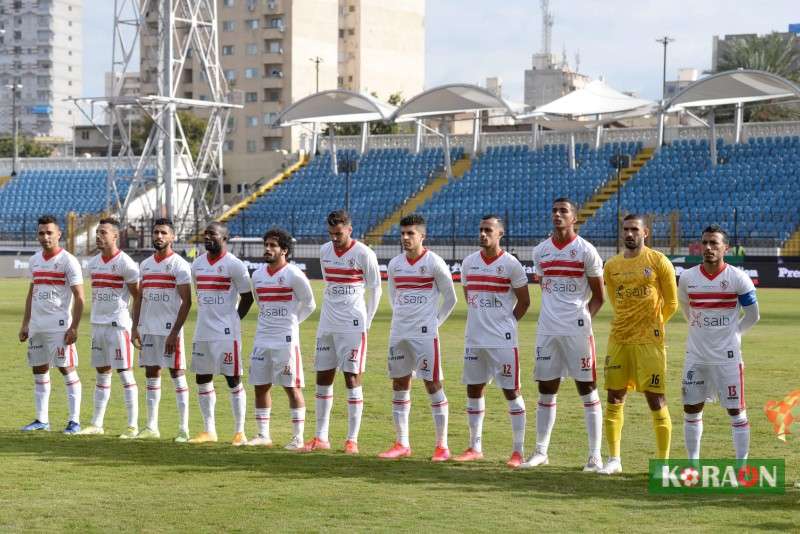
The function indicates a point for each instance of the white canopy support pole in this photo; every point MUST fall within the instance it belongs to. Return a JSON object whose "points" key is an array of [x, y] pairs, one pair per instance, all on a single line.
{"points": [[314, 140], [332, 149], [534, 135], [448, 168], [364, 134], [418, 137], [739, 121], [661, 124], [598, 137], [572, 163], [713, 122], [476, 129]]}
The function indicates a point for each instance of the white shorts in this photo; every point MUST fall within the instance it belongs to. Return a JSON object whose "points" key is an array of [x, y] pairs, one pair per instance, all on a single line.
{"points": [[417, 357], [346, 351], [111, 347], [281, 365], [153, 353], [217, 358], [563, 356], [481, 365], [704, 382], [47, 348]]}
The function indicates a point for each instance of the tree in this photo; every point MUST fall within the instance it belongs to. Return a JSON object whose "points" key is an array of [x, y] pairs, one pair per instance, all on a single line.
{"points": [[775, 53], [28, 148], [194, 129], [376, 128]]}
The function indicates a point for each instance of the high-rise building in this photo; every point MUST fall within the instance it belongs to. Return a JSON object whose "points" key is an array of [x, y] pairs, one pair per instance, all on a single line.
{"points": [[41, 50], [549, 79]]}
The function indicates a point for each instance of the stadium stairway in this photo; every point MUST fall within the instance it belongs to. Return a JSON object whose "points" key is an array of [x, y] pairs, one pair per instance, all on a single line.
{"points": [[792, 245], [376, 233], [265, 188], [609, 189], [4, 180]]}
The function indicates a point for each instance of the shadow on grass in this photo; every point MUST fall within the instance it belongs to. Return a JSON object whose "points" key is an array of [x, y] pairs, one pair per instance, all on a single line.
{"points": [[271, 465]]}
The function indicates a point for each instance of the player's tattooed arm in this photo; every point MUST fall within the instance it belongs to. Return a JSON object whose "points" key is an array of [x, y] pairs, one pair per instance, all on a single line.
{"points": [[77, 311], [26, 319]]}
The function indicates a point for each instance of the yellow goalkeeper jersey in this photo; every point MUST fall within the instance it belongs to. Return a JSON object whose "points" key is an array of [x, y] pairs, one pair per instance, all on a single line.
{"points": [[644, 296]]}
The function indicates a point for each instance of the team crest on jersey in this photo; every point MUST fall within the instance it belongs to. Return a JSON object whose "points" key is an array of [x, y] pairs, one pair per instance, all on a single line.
{"points": [[500, 269], [351, 262], [422, 269], [114, 268], [219, 269], [723, 284], [280, 280], [573, 253], [648, 272]]}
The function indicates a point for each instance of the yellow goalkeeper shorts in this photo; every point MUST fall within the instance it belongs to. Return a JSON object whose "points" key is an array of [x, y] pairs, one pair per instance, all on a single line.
{"points": [[637, 367]]}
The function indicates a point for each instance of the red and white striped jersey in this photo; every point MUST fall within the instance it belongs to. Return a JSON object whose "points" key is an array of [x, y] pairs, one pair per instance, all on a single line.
{"points": [[160, 298], [713, 305], [110, 295], [490, 287], [280, 295], [414, 293], [564, 271], [218, 284], [347, 274], [51, 299]]}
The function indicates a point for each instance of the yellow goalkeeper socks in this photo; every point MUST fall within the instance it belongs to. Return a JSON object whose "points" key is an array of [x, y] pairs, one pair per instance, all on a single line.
{"points": [[662, 425], [614, 418]]}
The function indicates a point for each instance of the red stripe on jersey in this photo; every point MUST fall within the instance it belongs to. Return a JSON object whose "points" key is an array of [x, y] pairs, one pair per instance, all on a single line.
{"points": [[177, 362], [158, 285], [714, 296], [213, 287], [235, 358], [490, 289], [48, 274], [261, 290], [401, 279], [561, 263], [436, 359], [338, 280], [104, 276], [488, 278], [414, 286], [695, 304], [337, 270], [275, 298], [562, 272], [158, 277], [112, 285], [209, 278], [297, 365], [47, 282]]}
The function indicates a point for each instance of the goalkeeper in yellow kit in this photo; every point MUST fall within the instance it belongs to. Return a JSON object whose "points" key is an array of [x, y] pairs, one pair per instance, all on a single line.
{"points": [[641, 287]]}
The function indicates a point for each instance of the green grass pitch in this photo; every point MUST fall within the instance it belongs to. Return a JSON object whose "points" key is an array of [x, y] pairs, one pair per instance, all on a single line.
{"points": [[51, 482]]}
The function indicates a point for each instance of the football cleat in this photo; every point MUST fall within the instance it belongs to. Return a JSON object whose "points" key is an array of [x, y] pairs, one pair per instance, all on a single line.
{"points": [[535, 460], [612, 467], [130, 433], [92, 430], [239, 439], [350, 447], [260, 441], [515, 460], [296, 445], [73, 427], [182, 437], [204, 437], [593, 464], [316, 444], [36, 425], [148, 433], [469, 455], [441, 454], [396, 452]]}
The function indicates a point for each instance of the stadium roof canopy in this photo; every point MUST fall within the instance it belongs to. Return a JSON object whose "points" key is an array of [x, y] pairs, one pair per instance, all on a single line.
{"points": [[335, 106], [734, 87], [597, 98], [450, 99]]}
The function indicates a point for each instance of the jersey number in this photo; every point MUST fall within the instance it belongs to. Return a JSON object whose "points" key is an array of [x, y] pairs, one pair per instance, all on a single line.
{"points": [[655, 380], [228, 358], [424, 366], [117, 354], [353, 355], [586, 363], [506, 369], [60, 352], [732, 391]]}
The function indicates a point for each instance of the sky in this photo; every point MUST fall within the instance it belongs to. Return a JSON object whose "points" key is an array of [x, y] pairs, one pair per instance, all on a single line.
{"points": [[470, 40]]}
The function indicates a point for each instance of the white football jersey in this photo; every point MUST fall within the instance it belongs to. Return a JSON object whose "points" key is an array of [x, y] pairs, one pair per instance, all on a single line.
{"points": [[110, 295], [414, 291], [564, 271], [160, 299], [218, 284], [714, 306], [490, 299], [51, 299], [347, 274], [279, 295]]}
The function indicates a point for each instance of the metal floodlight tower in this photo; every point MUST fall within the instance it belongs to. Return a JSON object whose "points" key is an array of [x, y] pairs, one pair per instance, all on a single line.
{"points": [[187, 187]]}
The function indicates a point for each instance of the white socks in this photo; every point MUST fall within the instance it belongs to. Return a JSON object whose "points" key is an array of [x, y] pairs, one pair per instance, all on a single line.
{"points": [[401, 407], [440, 412], [476, 409], [131, 393], [692, 433], [545, 419], [516, 412], [262, 422], [355, 407], [73, 385], [41, 396], [239, 407], [298, 416], [153, 398], [324, 403], [182, 402], [741, 434], [593, 416], [208, 402], [102, 392]]}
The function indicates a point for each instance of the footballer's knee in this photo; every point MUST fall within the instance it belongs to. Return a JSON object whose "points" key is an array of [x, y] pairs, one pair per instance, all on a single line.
{"points": [[584, 388], [352, 380], [510, 394], [432, 386], [549, 387], [656, 401], [616, 396], [203, 379], [232, 381], [694, 408]]}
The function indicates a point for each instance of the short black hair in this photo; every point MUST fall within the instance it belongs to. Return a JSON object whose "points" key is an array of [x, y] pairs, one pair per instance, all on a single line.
{"points": [[110, 220], [47, 219], [283, 238], [338, 217], [717, 229], [636, 217], [497, 218], [566, 200], [413, 219], [222, 227], [164, 221]]}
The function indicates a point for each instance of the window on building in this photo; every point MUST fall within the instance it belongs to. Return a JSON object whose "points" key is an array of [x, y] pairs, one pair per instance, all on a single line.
{"points": [[251, 145], [351, 31], [269, 119], [250, 73], [273, 71], [227, 50], [251, 96], [272, 143], [85, 135], [351, 8], [252, 121], [273, 46], [251, 24], [228, 25], [275, 23], [251, 49], [230, 75], [341, 34], [229, 3], [228, 147], [272, 95]]}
